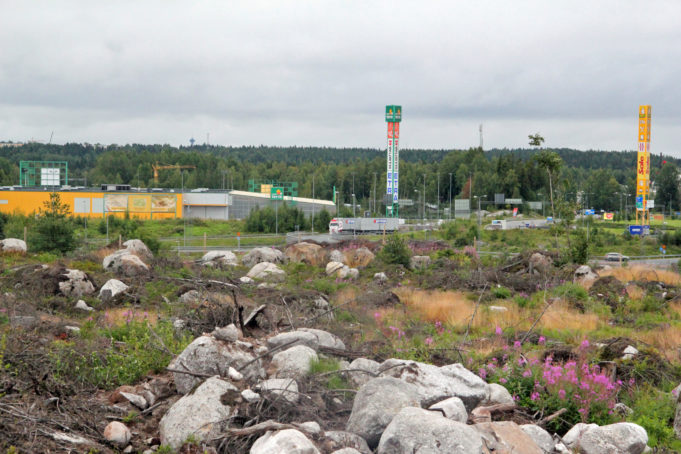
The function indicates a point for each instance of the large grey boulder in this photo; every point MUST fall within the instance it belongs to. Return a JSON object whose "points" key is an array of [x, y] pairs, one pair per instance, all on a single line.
{"points": [[125, 263], [288, 441], [309, 253], [140, 249], [313, 338], [347, 440], [438, 383], [572, 436], [267, 271], [358, 378], [207, 355], [506, 437], [200, 414], [452, 408], [287, 388], [336, 256], [263, 254], [622, 437], [13, 245], [293, 362], [414, 430], [112, 289], [77, 284], [219, 258], [498, 395], [540, 436], [540, 262], [375, 405]]}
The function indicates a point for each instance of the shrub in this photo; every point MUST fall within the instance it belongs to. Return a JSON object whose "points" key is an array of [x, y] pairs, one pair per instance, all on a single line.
{"points": [[501, 292], [654, 411], [571, 292], [395, 251]]}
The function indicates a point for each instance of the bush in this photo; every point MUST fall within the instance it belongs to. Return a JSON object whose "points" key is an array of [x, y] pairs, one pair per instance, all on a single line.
{"points": [[395, 251], [654, 411]]}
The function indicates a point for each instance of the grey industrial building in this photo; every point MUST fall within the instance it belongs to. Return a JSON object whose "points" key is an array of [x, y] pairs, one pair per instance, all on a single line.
{"points": [[225, 205]]}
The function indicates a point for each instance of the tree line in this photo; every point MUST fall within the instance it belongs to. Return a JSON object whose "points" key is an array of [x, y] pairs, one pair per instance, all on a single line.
{"points": [[605, 179]]}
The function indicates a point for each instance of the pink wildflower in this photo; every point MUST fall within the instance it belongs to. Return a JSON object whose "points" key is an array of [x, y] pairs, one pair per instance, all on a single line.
{"points": [[498, 331], [429, 340], [542, 340]]}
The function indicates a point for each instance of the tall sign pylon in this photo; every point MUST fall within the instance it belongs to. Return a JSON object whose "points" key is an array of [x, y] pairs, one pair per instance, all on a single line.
{"points": [[643, 166], [393, 116]]}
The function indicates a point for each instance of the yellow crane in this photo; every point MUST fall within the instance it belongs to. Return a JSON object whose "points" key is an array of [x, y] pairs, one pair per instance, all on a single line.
{"points": [[156, 167]]}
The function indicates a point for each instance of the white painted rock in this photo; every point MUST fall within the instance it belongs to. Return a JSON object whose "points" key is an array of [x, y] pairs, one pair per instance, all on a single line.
{"points": [[13, 245], [417, 430], [117, 433], [267, 271], [200, 414], [288, 441], [112, 288]]}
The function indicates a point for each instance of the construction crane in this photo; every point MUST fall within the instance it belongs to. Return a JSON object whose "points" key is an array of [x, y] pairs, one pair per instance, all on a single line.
{"points": [[156, 167]]}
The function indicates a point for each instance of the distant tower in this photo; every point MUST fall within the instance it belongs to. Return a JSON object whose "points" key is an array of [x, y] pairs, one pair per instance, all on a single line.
{"points": [[481, 136], [191, 142], [393, 116]]}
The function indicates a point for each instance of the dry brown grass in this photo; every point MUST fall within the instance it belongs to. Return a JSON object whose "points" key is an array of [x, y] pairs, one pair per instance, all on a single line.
{"points": [[643, 273], [121, 315], [635, 292], [455, 309], [667, 339]]}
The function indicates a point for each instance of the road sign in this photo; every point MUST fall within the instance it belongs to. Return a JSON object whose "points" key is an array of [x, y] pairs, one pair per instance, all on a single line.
{"points": [[380, 221], [276, 193], [639, 229]]}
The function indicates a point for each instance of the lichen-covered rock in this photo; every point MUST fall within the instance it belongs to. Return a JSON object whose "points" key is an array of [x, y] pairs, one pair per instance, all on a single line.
{"points": [[112, 289], [219, 258], [266, 271], [140, 249], [623, 437], [376, 404], [13, 245], [77, 284], [200, 414], [287, 388], [416, 430], [293, 362], [452, 408], [263, 254], [506, 437], [207, 355], [358, 378], [435, 384]]}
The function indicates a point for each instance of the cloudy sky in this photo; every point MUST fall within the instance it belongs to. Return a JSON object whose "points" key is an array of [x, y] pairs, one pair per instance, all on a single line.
{"points": [[321, 72]]}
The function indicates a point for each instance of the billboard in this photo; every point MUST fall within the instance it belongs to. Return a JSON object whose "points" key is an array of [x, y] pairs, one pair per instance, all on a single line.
{"points": [[608, 216], [140, 203]]}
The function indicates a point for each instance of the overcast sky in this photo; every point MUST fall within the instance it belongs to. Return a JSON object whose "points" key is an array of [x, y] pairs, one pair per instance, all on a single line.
{"points": [[321, 72]]}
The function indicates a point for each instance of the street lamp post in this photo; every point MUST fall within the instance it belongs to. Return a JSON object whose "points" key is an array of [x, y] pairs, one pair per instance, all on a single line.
{"points": [[424, 198], [438, 196], [354, 223], [450, 196]]}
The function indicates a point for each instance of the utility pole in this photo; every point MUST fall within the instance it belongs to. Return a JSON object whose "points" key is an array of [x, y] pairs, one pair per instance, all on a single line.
{"points": [[313, 202], [450, 196]]}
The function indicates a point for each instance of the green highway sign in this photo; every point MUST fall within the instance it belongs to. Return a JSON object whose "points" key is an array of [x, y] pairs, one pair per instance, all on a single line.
{"points": [[393, 114], [276, 193]]}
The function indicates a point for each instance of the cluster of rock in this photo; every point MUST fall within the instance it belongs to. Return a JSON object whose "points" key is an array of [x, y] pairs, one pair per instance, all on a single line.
{"points": [[400, 406]]}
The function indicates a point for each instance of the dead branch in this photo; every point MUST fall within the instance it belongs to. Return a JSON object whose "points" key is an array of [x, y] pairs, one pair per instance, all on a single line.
{"points": [[193, 374], [475, 311], [271, 350], [546, 307], [484, 414], [551, 417]]}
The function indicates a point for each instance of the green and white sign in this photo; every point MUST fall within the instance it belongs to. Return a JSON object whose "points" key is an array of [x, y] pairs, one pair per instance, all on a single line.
{"points": [[276, 193]]}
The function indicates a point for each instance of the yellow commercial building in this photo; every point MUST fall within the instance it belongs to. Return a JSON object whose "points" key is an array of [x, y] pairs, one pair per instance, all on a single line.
{"points": [[95, 204]]}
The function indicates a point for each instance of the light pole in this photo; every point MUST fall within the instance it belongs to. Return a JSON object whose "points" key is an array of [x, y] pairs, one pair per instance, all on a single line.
{"points": [[437, 202], [313, 202], [184, 215], [424, 198], [418, 203], [354, 223], [374, 211], [450, 196]]}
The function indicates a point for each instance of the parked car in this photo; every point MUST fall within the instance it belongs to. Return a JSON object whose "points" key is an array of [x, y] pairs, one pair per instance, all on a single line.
{"points": [[615, 257]]}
